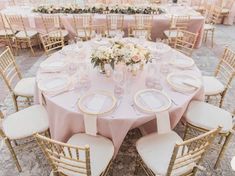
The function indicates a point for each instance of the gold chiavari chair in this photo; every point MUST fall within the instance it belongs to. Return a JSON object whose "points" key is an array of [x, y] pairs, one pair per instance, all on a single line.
{"points": [[23, 36], [114, 24], [219, 84], [10, 73], [52, 42], [185, 42], [202, 117], [23, 125], [83, 25], [199, 5], [6, 33], [52, 23], [167, 154], [176, 23], [81, 155], [142, 27], [212, 18]]}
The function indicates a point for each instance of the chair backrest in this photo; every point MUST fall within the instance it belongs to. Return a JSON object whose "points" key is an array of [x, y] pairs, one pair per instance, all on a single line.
{"points": [[143, 21], [8, 68], [114, 21], [185, 42], [3, 25], [225, 70], [65, 158], [52, 42], [83, 22], [16, 23], [190, 153], [213, 15], [179, 22], [51, 22]]}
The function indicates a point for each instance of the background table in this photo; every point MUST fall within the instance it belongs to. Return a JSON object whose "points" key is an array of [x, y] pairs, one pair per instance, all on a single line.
{"points": [[65, 120], [160, 22]]}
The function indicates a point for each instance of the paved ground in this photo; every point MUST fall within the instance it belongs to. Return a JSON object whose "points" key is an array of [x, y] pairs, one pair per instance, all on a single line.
{"points": [[34, 163]]}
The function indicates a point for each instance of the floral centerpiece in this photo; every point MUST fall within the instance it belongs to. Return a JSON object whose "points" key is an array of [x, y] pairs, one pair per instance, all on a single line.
{"points": [[98, 8], [134, 56]]}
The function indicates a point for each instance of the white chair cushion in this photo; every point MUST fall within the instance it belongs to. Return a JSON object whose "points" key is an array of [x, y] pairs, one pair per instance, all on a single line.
{"points": [[225, 11], [156, 151], [30, 34], [7, 32], [63, 32], [26, 122], [25, 87], [209, 27], [101, 152], [207, 116], [212, 85], [172, 34]]}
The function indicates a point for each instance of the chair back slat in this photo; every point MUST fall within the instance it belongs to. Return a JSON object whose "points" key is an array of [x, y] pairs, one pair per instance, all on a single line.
{"points": [[179, 22], [193, 152], [83, 23], [225, 70], [8, 68], [16, 23], [65, 158], [52, 41], [185, 42], [51, 22], [114, 22], [213, 15]]}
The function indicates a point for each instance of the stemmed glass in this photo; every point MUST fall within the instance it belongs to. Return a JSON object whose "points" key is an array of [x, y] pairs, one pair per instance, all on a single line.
{"points": [[118, 78], [79, 42]]}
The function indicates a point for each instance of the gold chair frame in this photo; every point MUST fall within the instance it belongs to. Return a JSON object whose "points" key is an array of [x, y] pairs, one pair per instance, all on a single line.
{"points": [[177, 23], [114, 22], [225, 70], [188, 152], [143, 23], [57, 153], [8, 143], [9, 71], [185, 42], [212, 18], [17, 20], [7, 39], [226, 136], [84, 23], [52, 42]]}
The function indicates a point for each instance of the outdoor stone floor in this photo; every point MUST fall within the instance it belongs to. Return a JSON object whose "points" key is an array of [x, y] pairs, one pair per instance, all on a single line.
{"points": [[33, 161]]}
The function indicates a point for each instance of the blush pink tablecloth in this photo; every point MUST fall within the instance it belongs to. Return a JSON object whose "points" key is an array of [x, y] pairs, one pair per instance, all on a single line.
{"points": [[66, 120], [160, 22]]}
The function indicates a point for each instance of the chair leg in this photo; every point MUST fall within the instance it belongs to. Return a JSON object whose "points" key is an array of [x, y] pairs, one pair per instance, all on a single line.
{"points": [[221, 99], [31, 47], [15, 102], [47, 133], [8, 143], [212, 38], [185, 131], [221, 153]]}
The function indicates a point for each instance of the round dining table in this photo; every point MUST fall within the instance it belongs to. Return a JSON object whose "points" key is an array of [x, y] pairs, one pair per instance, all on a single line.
{"points": [[66, 119]]}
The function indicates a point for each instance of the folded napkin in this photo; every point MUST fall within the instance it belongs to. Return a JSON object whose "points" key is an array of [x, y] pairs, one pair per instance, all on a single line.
{"points": [[163, 122], [149, 100], [90, 121]]}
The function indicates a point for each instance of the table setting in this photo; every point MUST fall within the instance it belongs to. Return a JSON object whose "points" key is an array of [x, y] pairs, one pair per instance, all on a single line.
{"points": [[119, 85]]}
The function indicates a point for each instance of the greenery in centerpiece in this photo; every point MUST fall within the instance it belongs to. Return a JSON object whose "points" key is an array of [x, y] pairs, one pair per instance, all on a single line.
{"points": [[132, 55], [100, 9]]}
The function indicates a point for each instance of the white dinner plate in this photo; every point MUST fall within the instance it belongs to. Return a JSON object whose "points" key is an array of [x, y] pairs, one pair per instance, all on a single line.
{"points": [[97, 103], [183, 82], [182, 62], [54, 84], [152, 101], [53, 65]]}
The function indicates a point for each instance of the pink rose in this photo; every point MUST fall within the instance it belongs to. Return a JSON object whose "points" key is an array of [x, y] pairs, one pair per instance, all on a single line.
{"points": [[135, 58]]}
